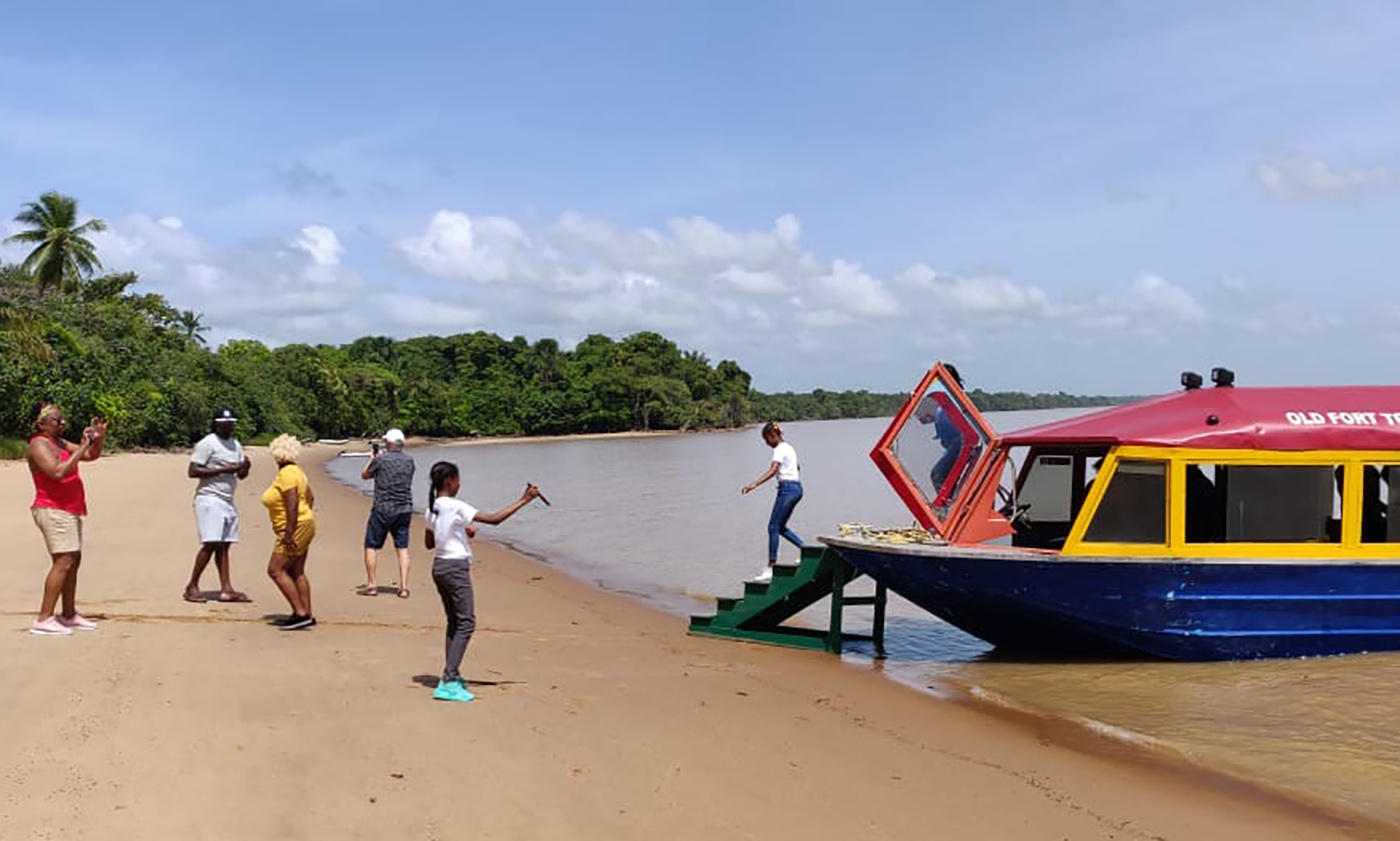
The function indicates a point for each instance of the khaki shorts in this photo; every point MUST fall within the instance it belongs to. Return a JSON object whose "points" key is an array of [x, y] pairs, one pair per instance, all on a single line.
{"points": [[62, 530]]}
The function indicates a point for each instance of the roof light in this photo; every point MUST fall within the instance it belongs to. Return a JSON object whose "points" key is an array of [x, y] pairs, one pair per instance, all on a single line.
{"points": [[1222, 377], [1190, 380]]}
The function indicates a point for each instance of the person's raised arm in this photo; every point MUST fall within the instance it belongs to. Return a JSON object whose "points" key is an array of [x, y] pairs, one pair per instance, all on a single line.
{"points": [[767, 474], [496, 517], [44, 459], [370, 469]]}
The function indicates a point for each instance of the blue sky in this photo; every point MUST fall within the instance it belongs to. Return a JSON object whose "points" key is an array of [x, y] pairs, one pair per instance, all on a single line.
{"points": [[1088, 196]]}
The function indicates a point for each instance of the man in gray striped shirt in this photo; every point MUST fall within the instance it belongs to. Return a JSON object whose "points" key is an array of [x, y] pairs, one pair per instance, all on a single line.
{"points": [[392, 512]]}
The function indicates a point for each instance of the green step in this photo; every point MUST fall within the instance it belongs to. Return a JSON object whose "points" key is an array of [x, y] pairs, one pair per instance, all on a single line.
{"points": [[758, 615]]}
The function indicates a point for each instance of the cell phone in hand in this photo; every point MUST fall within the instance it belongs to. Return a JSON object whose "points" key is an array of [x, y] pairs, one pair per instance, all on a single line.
{"points": [[374, 448]]}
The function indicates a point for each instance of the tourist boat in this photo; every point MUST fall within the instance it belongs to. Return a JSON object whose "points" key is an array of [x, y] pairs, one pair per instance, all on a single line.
{"points": [[1213, 523]]}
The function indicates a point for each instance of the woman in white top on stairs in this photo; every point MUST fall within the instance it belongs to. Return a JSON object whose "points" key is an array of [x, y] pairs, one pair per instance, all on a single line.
{"points": [[783, 466]]}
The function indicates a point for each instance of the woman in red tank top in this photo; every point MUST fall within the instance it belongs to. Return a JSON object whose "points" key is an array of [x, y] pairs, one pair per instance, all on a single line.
{"points": [[58, 509]]}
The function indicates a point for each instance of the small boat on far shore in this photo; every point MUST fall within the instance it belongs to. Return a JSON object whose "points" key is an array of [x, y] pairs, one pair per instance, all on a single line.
{"points": [[333, 441]]}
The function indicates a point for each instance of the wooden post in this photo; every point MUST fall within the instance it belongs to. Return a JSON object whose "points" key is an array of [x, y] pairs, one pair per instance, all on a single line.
{"points": [[838, 605], [877, 631]]}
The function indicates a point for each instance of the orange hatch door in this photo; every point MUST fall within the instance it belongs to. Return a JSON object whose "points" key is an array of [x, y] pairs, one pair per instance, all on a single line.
{"points": [[936, 454]]}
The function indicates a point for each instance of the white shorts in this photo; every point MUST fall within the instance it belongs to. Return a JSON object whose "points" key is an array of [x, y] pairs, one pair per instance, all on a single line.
{"points": [[216, 520]]}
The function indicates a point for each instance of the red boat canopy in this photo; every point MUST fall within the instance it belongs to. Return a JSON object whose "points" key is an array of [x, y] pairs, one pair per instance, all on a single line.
{"points": [[1321, 418]]}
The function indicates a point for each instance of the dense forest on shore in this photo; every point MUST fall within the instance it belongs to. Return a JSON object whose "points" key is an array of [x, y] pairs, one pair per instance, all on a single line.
{"points": [[829, 405], [96, 346]]}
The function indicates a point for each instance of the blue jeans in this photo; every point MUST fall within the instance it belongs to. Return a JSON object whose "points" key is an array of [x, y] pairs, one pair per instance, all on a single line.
{"points": [[789, 494]]}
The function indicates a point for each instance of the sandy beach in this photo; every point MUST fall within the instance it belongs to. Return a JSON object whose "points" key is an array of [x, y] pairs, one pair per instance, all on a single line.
{"points": [[596, 717]]}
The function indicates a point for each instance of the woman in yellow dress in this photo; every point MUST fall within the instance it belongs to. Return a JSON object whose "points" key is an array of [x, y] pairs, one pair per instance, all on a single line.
{"points": [[288, 502]]}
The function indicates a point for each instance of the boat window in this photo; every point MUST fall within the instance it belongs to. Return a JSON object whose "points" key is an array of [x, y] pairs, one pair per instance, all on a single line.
{"points": [[1134, 506], [939, 451], [1050, 490], [1263, 503], [1380, 503]]}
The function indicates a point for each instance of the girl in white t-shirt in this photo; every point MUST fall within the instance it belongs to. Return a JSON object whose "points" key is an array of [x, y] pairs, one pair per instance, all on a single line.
{"points": [[449, 525], [784, 466]]}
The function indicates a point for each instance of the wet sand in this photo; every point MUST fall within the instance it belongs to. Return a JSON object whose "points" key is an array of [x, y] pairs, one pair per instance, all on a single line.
{"points": [[596, 717]]}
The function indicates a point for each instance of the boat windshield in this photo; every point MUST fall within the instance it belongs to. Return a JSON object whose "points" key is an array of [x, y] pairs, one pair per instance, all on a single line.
{"points": [[938, 447]]}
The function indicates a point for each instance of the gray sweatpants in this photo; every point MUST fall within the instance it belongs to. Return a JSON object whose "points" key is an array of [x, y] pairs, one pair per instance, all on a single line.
{"points": [[454, 584]]}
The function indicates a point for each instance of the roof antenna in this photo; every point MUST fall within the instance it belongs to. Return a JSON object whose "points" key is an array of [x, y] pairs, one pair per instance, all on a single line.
{"points": [[1190, 380], [1222, 377]]}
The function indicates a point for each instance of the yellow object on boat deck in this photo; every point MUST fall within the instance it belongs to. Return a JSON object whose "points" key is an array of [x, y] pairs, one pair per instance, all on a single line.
{"points": [[912, 534]]}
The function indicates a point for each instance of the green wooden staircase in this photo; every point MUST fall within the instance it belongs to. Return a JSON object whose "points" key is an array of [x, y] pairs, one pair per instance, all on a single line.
{"points": [[758, 615]]}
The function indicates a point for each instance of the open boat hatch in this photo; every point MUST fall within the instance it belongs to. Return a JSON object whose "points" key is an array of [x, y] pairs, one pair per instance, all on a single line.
{"points": [[935, 455]]}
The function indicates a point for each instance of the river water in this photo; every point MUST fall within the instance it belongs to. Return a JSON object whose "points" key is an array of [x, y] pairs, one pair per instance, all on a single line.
{"points": [[661, 518]]}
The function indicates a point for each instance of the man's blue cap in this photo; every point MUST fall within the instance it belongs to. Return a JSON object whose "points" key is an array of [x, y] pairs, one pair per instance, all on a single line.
{"points": [[224, 415]]}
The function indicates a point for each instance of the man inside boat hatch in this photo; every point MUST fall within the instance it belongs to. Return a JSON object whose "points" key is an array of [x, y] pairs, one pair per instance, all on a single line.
{"points": [[949, 438]]}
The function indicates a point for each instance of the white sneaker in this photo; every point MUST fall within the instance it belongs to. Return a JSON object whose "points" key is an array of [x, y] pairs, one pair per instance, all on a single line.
{"points": [[77, 622], [49, 628], [764, 577]]}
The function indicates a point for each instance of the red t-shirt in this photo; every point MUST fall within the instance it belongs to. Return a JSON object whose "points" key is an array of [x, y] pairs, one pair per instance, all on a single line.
{"points": [[64, 494]]}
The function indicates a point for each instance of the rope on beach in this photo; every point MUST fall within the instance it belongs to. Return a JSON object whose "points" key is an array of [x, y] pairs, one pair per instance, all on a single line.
{"points": [[911, 534]]}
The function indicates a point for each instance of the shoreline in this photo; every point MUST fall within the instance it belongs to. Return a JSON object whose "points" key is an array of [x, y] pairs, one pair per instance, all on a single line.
{"points": [[596, 714]]}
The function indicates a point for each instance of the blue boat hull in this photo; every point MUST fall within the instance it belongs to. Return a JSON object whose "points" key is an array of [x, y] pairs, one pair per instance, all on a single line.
{"points": [[1179, 610]]}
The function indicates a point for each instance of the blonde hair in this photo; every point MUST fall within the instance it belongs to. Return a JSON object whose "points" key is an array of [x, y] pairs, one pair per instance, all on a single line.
{"points": [[285, 449]]}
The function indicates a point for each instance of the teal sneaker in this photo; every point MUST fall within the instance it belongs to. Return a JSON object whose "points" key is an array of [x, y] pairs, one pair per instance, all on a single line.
{"points": [[452, 690]]}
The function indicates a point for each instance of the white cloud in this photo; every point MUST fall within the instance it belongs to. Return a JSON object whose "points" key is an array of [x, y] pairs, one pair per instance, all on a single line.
{"points": [[455, 246], [278, 290], [693, 246], [321, 243], [1153, 295], [788, 229], [1292, 177], [421, 313], [692, 274], [172, 223], [743, 280], [846, 287], [986, 294]]}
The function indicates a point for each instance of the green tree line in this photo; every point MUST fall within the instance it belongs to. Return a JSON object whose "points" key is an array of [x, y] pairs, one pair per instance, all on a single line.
{"points": [[819, 404]]}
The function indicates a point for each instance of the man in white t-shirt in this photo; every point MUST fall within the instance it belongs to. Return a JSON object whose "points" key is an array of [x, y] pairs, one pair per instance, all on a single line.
{"points": [[218, 463]]}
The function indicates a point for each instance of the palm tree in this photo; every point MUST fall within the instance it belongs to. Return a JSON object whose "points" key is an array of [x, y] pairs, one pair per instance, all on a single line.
{"points": [[193, 324], [63, 255]]}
